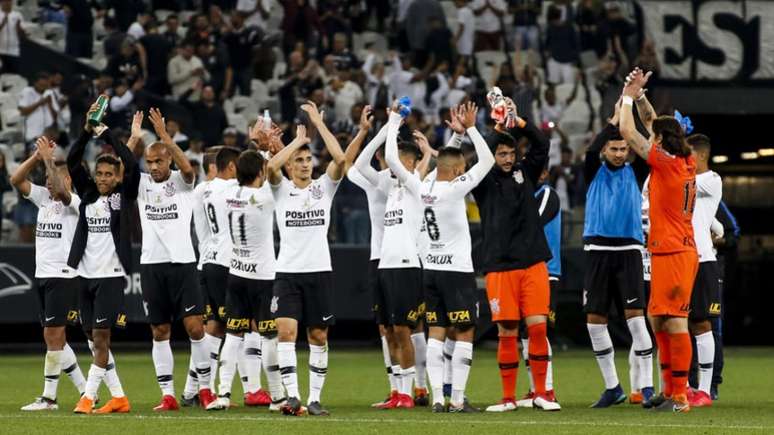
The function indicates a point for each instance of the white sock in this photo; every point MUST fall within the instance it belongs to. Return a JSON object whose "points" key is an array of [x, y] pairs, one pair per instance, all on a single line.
{"points": [[396, 376], [643, 351], [634, 371], [435, 369], [525, 356], [96, 374], [549, 368], [165, 366], [242, 366], [286, 358], [603, 349], [448, 351], [111, 377], [271, 367], [461, 362], [202, 371], [52, 367], [705, 356], [229, 356], [253, 361], [72, 369], [192, 380], [420, 353], [407, 376], [388, 364], [318, 368], [213, 347]]}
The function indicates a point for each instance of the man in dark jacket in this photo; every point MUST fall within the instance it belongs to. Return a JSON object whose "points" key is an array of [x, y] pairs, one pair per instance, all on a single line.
{"points": [[515, 252], [101, 252]]}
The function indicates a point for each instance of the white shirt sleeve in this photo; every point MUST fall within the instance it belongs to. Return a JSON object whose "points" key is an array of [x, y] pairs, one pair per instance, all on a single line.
{"points": [[329, 185], [38, 194], [716, 228], [177, 176], [363, 161], [119, 103], [281, 189], [711, 186], [463, 184]]}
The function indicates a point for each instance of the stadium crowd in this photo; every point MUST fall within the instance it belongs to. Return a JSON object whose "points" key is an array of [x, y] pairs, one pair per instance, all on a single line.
{"points": [[226, 61]]}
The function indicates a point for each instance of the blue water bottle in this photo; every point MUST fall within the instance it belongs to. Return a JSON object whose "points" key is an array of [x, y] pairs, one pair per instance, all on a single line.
{"points": [[404, 106]]}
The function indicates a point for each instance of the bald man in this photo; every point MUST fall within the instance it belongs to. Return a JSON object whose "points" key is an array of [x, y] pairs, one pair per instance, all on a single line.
{"points": [[168, 263]]}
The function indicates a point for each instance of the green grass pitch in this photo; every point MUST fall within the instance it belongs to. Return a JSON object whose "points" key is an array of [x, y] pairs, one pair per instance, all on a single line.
{"points": [[357, 378]]}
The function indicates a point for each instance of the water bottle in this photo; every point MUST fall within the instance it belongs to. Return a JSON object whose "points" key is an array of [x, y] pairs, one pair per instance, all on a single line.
{"points": [[96, 117], [404, 106], [266, 120]]}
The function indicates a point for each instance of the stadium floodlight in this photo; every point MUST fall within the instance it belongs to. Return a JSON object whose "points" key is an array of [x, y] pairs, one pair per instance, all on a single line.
{"points": [[749, 155], [766, 152], [719, 159]]}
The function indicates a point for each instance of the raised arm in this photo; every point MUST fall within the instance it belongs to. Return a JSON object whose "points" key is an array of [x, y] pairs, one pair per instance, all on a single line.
{"points": [[80, 176], [354, 147], [45, 149], [178, 156], [19, 176], [275, 164], [634, 138], [392, 157], [428, 153], [485, 157], [335, 168], [363, 161], [131, 180], [455, 141]]}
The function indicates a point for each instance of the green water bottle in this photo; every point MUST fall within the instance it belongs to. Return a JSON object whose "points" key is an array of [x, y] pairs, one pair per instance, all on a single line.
{"points": [[96, 117]]}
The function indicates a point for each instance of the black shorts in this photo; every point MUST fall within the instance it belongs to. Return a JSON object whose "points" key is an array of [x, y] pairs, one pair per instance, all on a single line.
{"points": [[247, 300], [705, 297], [171, 292], [400, 296], [613, 277], [452, 298], [304, 296], [373, 284], [215, 278], [101, 303], [57, 301]]}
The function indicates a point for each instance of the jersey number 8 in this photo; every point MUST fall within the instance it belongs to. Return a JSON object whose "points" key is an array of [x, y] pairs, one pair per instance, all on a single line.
{"points": [[432, 226]]}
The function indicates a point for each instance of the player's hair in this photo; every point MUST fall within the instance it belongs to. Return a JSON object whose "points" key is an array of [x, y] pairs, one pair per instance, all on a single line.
{"points": [[672, 136], [110, 159], [225, 156], [410, 148], [60, 163], [209, 157], [249, 166], [450, 152], [699, 142], [501, 138]]}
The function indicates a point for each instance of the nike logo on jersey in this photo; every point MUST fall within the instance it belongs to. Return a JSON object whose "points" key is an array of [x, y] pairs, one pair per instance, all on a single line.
{"points": [[187, 309], [48, 319], [629, 301], [326, 318], [101, 320]]}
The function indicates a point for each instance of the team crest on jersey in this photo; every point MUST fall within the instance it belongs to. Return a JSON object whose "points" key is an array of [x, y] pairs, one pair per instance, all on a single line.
{"points": [[317, 192], [169, 188], [518, 176], [274, 304], [429, 199], [114, 202]]}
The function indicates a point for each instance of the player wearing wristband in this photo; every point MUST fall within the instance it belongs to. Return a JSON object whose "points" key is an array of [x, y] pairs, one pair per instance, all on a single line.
{"points": [[672, 196]]}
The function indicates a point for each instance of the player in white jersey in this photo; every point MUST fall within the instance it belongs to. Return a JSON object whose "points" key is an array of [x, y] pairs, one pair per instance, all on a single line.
{"points": [[217, 256], [303, 285], [101, 251], [168, 262], [250, 211], [448, 280], [705, 297], [55, 282], [190, 396]]}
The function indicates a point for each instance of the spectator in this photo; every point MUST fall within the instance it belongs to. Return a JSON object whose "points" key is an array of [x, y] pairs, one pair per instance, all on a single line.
{"points": [[240, 42], [561, 48], [255, 12], [128, 64], [300, 80], [299, 24], [616, 26], [418, 17], [38, 106], [588, 19], [172, 33], [178, 137], [344, 93], [79, 37], [63, 116], [202, 31], [216, 61], [184, 72], [439, 42], [405, 79], [647, 60], [376, 83], [111, 45], [158, 49], [5, 186], [10, 34], [527, 91], [232, 138], [526, 35], [352, 219], [342, 57], [125, 11], [609, 82], [553, 109], [195, 149], [25, 214], [489, 29], [137, 29], [334, 23], [562, 178], [122, 104], [208, 116], [466, 22], [349, 125]]}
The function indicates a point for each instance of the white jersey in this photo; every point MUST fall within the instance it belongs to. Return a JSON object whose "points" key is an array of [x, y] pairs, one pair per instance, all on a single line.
{"points": [[251, 223], [165, 215], [201, 226], [709, 191], [377, 202], [303, 218], [645, 230], [100, 259], [53, 233], [445, 214], [214, 205]]}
